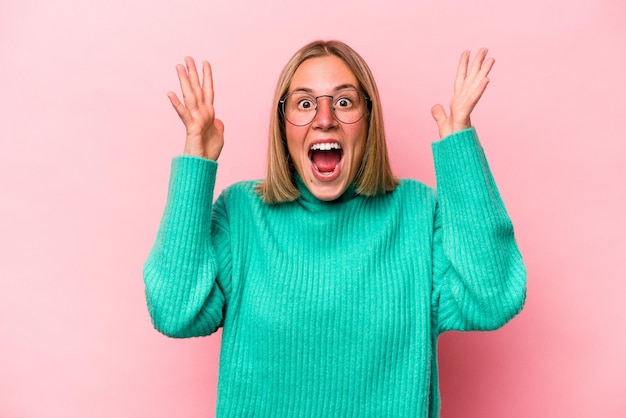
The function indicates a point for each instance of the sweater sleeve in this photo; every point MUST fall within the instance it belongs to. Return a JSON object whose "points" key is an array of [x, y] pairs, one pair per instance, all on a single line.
{"points": [[184, 291], [479, 279]]}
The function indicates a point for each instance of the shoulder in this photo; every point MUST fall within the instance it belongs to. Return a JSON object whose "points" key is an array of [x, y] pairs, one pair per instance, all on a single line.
{"points": [[237, 201], [242, 195], [414, 188], [412, 196], [243, 187], [241, 190], [411, 201]]}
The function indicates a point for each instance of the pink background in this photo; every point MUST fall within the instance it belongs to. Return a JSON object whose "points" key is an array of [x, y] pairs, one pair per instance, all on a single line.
{"points": [[87, 135]]}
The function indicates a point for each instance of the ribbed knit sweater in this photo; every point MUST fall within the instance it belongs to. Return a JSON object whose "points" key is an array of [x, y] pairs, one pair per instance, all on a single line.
{"points": [[333, 309]]}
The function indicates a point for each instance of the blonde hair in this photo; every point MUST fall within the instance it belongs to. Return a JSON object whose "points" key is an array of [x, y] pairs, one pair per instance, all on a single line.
{"points": [[374, 175]]}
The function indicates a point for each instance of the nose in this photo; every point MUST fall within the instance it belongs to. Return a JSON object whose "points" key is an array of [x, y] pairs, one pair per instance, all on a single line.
{"points": [[324, 117]]}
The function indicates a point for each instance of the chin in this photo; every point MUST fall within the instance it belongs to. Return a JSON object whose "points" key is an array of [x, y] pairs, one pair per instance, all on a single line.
{"points": [[327, 193], [326, 190]]}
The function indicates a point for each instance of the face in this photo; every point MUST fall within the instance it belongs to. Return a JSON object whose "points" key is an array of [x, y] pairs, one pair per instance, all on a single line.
{"points": [[326, 153]]}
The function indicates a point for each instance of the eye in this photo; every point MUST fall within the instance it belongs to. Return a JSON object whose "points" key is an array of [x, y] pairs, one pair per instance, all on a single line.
{"points": [[343, 103], [347, 99], [305, 104]]}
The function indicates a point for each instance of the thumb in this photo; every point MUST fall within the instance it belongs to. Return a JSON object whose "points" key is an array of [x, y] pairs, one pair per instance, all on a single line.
{"points": [[439, 114], [219, 125]]}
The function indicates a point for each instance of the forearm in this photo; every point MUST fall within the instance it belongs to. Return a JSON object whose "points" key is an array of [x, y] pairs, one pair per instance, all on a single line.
{"points": [[180, 272], [479, 276]]}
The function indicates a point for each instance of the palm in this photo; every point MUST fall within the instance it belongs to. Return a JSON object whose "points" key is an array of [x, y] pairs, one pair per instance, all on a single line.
{"points": [[469, 86], [205, 133]]}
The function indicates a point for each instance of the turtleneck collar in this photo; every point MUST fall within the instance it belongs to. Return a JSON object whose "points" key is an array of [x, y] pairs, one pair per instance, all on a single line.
{"points": [[309, 200]]}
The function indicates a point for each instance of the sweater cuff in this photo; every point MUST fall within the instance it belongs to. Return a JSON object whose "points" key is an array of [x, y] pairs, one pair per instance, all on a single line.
{"points": [[460, 164], [192, 180], [459, 138]]}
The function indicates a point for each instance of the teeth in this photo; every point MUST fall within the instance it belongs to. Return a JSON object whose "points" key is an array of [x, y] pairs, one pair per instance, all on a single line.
{"points": [[325, 146]]}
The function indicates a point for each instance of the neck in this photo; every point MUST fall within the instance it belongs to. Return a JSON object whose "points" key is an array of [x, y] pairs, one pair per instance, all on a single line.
{"points": [[308, 199]]}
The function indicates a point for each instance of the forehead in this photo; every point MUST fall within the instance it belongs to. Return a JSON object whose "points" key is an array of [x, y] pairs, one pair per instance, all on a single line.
{"points": [[322, 75]]}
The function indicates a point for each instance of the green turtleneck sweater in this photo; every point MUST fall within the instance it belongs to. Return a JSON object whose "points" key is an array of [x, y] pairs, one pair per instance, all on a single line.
{"points": [[333, 309]]}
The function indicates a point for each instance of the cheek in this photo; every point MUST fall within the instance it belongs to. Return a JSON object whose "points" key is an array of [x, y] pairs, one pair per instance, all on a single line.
{"points": [[360, 139], [295, 138]]}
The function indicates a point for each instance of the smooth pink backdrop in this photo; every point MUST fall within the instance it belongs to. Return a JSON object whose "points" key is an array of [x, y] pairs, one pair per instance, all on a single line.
{"points": [[87, 135]]}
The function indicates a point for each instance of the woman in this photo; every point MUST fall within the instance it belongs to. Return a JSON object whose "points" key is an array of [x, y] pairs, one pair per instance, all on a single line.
{"points": [[331, 279]]}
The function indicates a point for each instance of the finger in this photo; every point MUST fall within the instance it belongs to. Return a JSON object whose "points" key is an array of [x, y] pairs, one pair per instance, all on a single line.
{"points": [[219, 125], [486, 68], [207, 82], [477, 93], [178, 106], [461, 71], [439, 114], [477, 63], [194, 79], [476, 83], [189, 96]]}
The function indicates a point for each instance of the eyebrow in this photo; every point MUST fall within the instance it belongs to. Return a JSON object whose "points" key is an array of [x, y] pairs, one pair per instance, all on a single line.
{"points": [[337, 88]]}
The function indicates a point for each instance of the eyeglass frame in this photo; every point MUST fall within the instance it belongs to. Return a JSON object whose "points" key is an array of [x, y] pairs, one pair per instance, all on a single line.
{"points": [[368, 107]]}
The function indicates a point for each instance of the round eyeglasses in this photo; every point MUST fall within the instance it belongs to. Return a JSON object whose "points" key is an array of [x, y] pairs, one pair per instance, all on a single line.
{"points": [[349, 106]]}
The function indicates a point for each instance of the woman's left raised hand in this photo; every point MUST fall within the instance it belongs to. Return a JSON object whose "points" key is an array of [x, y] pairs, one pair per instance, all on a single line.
{"points": [[469, 86]]}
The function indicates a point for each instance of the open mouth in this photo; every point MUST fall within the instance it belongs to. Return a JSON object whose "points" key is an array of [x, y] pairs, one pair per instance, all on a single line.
{"points": [[326, 157]]}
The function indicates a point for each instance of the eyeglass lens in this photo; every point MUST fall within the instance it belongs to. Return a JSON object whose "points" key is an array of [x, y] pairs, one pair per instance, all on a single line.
{"points": [[348, 106]]}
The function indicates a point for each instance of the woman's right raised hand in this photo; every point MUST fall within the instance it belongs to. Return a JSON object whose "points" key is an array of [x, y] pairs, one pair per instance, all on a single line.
{"points": [[205, 133]]}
